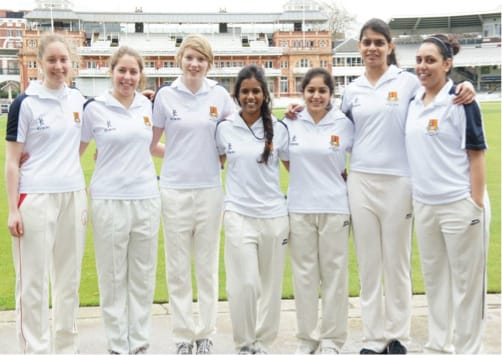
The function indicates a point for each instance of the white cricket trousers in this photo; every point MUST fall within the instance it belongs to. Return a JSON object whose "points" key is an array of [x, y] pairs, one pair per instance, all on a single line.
{"points": [[192, 223], [125, 243], [319, 247], [452, 242], [50, 251], [381, 210], [255, 251]]}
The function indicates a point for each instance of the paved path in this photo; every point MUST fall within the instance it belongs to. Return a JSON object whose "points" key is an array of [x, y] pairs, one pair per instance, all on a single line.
{"points": [[93, 340]]}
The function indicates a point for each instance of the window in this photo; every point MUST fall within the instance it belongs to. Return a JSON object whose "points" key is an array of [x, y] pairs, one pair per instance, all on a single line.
{"points": [[284, 64], [324, 63], [149, 64], [268, 64], [91, 65], [284, 84], [168, 64], [32, 64], [303, 63]]}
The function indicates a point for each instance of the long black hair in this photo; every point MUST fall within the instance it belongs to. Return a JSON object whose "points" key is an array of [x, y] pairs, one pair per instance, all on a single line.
{"points": [[381, 27], [250, 72]]}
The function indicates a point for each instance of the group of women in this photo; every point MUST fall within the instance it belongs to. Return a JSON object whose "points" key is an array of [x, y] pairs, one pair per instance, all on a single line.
{"points": [[386, 122]]}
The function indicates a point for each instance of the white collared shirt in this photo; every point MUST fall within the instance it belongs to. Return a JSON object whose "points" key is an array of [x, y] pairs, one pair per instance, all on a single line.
{"points": [[124, 166], [317, 158], [437, 139], [252, 188], [379, 115], [189, 120], [49, 126]]}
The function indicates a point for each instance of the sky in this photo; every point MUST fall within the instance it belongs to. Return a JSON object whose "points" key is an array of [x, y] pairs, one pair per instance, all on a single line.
{"points": [[361, 9]]}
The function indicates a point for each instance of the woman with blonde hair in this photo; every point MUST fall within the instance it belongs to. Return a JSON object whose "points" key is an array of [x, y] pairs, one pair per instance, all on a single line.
{"points": [[191, 191]]}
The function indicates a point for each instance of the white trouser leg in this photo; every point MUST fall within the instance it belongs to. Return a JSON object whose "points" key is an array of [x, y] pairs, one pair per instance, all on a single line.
{"points": [[254, 261], [382, 218], [188, 215], [142, 266], [452, 253], [66, 270], [319, 257], [274, 233], [55, 226], [111, 225], [333, 257], [304, 251], [206, 242]]}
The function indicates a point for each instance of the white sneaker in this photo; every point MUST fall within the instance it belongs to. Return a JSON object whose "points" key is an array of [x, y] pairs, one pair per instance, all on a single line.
{"points": [[304, 348], [329, 350]]}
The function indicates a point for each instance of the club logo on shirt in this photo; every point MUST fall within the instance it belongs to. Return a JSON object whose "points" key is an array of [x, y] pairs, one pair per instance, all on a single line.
{"points": [[174, 116], [392, 96], [335, 141], [147, 121], [109, 126], [41, 124], [432, 127], [230, 150], [76, 117], [293, 140], [213, 111]]}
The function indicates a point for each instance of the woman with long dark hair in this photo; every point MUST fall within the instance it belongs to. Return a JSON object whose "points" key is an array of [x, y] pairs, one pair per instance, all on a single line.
{"points": [[255, 218]]}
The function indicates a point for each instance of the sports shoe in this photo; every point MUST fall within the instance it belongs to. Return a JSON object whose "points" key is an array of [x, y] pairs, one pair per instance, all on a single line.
{"points": [[395, 347], [328, 350], [371, 351], [184, 348], [204, 346], [304, 348], [246, 350]]}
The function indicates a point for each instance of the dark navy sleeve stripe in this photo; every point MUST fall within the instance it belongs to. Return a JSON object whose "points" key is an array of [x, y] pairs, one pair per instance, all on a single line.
{"points": [[13, 118], [88, 102], [474, 134]]}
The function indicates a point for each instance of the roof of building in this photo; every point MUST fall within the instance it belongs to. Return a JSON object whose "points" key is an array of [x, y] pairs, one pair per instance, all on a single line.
{"points": [[446, 21], [185, 18]]}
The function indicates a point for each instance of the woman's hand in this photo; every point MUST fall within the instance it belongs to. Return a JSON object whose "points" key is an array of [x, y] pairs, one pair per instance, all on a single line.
{"points": [[293, 110]]}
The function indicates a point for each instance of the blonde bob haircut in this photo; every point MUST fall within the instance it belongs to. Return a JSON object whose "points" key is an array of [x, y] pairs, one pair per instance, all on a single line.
{"points": [[125, 50], [198, 43]]}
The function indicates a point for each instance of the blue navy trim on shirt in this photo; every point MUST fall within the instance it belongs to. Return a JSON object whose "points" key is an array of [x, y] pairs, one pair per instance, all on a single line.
{"points": [[88, 102], [474, 134], [13, 118], [285, 126], [217, 124]]}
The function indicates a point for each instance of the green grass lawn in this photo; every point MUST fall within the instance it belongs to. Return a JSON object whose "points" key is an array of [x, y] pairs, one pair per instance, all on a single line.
{"points": [[89, 290]]}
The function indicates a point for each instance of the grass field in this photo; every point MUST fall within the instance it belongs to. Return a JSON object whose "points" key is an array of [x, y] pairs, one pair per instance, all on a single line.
{"points": [[89, 291]]}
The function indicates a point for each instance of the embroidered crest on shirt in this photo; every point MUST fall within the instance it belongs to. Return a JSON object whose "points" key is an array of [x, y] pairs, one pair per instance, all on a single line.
{"points": [[433, 126], [230, 150], [335, 141], [147, 121], [213, 111], [392, 96], [76, 117]]}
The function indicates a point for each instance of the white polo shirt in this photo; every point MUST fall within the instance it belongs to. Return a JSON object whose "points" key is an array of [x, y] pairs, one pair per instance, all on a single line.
{"points": [[437, 139], [191, 159], [252, 188], [124, 166], [317, 157], [379, 115], [48, 123]]}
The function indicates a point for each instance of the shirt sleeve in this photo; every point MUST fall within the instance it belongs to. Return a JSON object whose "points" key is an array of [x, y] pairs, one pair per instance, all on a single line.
{"points": [[283, 135], [474, 132], [159, 109]]}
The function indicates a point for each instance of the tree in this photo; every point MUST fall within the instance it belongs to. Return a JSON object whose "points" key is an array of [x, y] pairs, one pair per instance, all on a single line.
{"points": [[339, 18]]}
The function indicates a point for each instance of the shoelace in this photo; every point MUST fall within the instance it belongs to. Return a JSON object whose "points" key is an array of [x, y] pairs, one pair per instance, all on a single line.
{"points": [[184, 349], [204, 347]]}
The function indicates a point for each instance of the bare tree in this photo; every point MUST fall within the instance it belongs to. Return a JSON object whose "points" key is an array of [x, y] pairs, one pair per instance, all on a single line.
{"points": [[339, 18]]}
